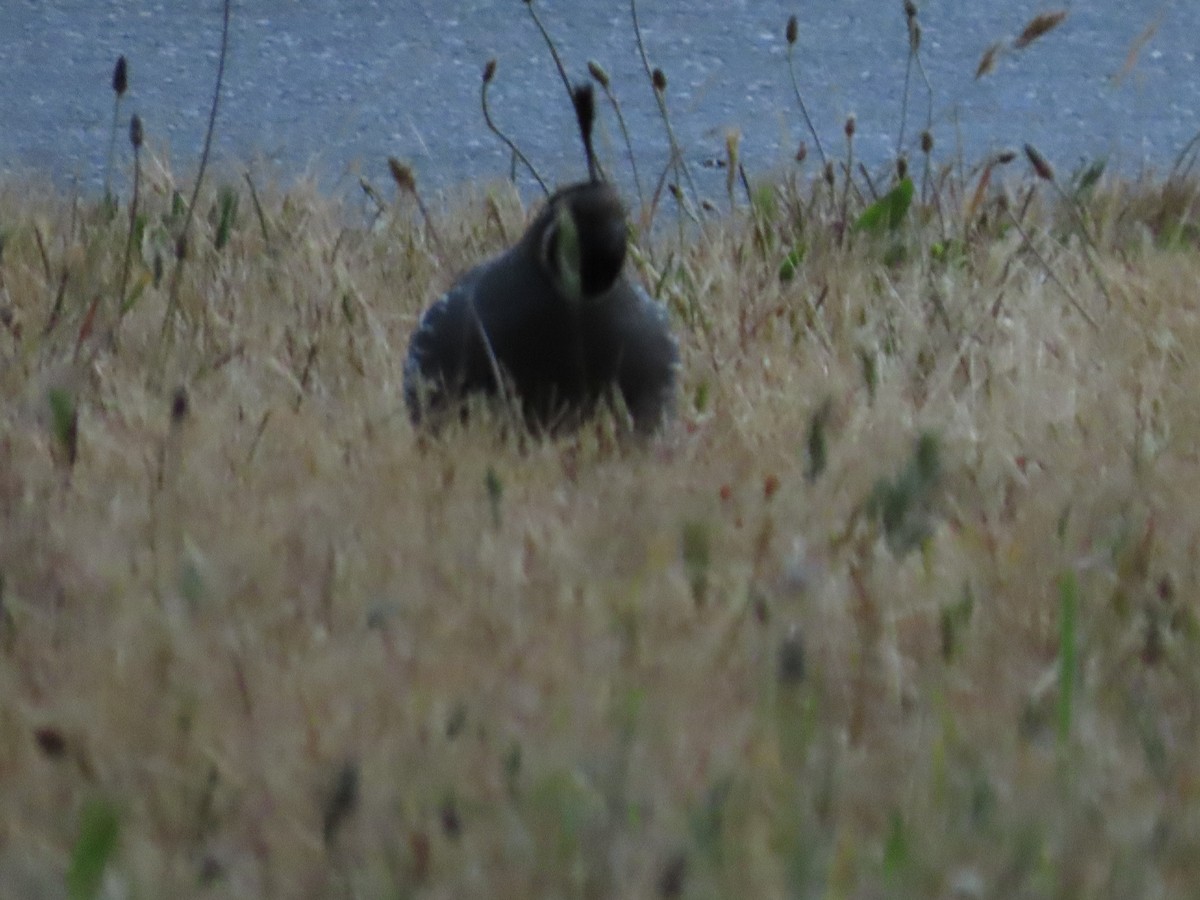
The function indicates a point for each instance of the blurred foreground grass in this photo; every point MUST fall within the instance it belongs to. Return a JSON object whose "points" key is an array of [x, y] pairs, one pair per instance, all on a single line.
{"points": [[903, 604]]}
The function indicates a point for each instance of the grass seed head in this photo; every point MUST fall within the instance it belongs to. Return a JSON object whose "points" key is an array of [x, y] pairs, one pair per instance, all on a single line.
{"points": [[489, 70], [1040, 165], [1038, 26], [135, 131], [987, 62], [793, 28], [598, 73], [733, 140], [120, 78], [926, 142], [403, 175], [659, 78]]}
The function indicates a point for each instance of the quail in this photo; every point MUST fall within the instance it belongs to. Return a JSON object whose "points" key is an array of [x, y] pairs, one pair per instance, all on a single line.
{"points": [[552, 327]]}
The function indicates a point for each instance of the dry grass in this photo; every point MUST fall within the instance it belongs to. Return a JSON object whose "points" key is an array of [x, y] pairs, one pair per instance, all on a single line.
{"points": [[299, 654]]}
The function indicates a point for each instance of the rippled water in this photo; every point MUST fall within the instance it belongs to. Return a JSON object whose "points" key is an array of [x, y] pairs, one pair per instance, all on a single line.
{"points": [[333, 88]]}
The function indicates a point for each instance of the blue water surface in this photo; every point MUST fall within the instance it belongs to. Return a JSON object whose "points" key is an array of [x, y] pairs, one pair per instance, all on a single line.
{"points": [[331, 89]]}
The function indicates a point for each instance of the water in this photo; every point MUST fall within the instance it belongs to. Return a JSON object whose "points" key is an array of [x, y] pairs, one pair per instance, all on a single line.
{"points": [[332, 88]]}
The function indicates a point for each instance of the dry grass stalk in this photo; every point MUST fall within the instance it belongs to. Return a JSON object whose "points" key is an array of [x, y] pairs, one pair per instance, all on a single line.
{"points": [[1034, 29], [302, 653]]}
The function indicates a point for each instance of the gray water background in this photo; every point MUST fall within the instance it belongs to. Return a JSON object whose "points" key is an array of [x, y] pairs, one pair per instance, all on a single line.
{"points": [[330, 89]]}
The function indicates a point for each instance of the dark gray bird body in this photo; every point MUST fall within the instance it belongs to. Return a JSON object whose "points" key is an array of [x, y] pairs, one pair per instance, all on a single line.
{"points": [[551, 327]]}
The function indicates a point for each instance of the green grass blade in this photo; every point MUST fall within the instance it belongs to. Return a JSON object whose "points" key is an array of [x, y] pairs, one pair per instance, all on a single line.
{"points": [[65, 421], [1068, 596], [791, 262], [97, 842]]}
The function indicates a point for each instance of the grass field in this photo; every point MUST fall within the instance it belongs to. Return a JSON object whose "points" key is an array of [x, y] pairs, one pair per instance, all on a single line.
{"points": [[901, 604]]}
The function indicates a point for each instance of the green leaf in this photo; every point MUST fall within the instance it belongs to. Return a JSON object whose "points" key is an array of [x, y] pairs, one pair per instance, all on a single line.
{"points": [[65, 421], [1087, 176], [904, 505], [791, 262], [94, 848], [926, 463], [696, 547], [888, 211], [227, 202], [1068, 596], [1064, 521], [896, 255], [109, 207], [895, 852], [567, 805], [1177, 236], [191, 582], [870, 371], [512, 769], [949, 251], [954, 618], [495, 493], [135, 293], [139, 229], [765, 202], [818, 446], [707, 820]]}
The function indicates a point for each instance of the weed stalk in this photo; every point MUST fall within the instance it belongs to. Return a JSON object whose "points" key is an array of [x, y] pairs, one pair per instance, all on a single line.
{"points": [[135, 139], [791, 34], [181, 248], [120, 84], [489, 73]]}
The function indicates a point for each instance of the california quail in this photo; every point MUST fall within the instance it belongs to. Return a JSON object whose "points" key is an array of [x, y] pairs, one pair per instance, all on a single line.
{"points": [[551, 326]]}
